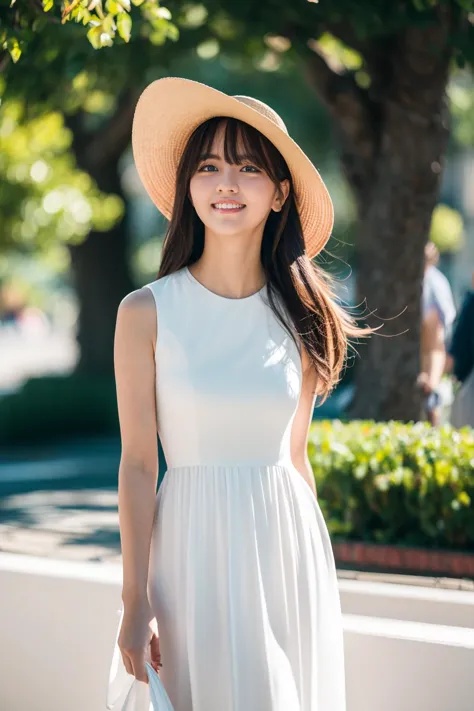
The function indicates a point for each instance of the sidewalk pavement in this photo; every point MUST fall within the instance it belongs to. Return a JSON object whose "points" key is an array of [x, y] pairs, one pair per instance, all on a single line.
{"points": [[61, 503]]}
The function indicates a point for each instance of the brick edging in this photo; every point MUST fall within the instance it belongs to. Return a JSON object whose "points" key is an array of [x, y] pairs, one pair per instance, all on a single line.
{"points": [[404, 559]]}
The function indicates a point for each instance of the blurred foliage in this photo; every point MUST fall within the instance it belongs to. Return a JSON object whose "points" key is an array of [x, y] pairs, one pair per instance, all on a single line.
{"points": [[356, 23], [44, 197], [461, 99], [265, 35], [447, 229], [338, 55], [410, 484], [147, 258], [65, 92]]}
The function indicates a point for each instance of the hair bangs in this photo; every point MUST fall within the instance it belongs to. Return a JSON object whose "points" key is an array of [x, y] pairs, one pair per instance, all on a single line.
{"points": [[242, 143]]}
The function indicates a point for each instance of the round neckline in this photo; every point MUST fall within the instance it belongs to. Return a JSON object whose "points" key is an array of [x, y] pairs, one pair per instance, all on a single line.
{"points": [[220, 296]]}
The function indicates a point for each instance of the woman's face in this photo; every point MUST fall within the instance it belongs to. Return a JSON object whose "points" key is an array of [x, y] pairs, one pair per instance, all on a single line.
{"points": [[233, 199]]}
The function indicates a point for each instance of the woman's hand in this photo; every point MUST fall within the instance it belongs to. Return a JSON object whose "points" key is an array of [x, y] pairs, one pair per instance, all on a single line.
{"points": [[138, 632], [423, 382]]}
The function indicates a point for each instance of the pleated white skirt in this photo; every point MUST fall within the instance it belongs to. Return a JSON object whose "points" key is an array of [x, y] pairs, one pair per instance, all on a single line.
{"points": [[243, 584]]}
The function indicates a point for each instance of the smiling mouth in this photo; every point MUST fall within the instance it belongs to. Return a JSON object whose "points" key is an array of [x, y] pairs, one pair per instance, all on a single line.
{"points": [[227, 206]]}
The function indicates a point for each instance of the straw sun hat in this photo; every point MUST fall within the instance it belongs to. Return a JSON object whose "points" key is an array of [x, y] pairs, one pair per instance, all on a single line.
{"points": [[170, 109]]}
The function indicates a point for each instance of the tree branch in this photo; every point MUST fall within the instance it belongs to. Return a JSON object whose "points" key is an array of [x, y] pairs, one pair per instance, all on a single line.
{"points": [[113, 138], [350, 106], [375, 55], [94, 150], [4, 60], [37, 8], [345, 32]]}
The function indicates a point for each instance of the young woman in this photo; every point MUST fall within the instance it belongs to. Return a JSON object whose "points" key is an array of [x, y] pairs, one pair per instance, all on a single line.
{"points": [[229, 581]]}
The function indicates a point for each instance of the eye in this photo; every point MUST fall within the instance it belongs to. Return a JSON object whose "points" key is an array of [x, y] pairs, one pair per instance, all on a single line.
{"points": [[250, 169], [208, 168]]}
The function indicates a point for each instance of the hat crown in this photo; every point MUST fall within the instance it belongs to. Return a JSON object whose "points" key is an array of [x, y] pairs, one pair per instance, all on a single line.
{"points": [[262, 109]]}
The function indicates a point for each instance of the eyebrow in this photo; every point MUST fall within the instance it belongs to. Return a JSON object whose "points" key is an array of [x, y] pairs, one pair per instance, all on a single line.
{"points": [[240, 159], [208, 156]]}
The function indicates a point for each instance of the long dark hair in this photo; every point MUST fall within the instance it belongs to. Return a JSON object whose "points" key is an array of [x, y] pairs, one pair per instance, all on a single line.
{"points": [[321, 324]]}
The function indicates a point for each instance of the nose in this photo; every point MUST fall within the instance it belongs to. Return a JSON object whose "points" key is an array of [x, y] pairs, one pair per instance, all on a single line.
{"points": [[228, 182]]}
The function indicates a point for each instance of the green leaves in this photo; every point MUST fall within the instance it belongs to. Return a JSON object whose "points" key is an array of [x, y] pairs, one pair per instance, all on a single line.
{"points": [[116, 18], [13, 47], [94, 36], [124, 26], [395, 483], [106, 22], [158, 28]]}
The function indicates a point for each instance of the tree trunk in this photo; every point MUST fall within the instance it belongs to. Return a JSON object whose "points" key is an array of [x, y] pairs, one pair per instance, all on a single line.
{"points": [[101, 278], [390, 263], [393, 140], [100, 264]]}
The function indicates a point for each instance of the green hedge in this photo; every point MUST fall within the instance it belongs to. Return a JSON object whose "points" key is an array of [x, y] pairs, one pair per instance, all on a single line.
{"points": [[409, 484], [54, 407]]}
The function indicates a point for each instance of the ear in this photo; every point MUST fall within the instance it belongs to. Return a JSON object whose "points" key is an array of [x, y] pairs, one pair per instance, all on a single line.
{"points": [[281, 196]]}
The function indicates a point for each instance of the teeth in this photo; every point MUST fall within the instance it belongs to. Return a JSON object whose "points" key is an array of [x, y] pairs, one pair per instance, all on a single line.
{"points": [[227, 206]]}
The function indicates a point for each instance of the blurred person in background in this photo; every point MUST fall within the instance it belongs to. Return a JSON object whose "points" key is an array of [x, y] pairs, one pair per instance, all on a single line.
{"points": [[15, 312], [438, 313], [460, 362], [12, 303]]}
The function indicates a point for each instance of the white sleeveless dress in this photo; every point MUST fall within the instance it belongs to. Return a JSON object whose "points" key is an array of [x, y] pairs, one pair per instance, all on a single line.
{"points": [[242, 576]]}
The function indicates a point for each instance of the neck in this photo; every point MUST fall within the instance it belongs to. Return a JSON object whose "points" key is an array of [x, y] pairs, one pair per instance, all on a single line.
{"points": [[230, 266]]}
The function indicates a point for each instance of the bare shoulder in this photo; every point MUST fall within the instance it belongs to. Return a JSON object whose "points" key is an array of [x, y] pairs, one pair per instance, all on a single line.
{"points": [[136, 313], [138, 301]]}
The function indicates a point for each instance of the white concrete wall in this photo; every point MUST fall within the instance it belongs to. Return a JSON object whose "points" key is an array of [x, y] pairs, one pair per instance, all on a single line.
{"points": [[408, 602], [58, 622], [395, 665], [57, 627]]}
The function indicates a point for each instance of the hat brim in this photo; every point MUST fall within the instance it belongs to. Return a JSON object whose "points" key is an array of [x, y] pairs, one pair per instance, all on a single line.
{"points": [[167, 113]]}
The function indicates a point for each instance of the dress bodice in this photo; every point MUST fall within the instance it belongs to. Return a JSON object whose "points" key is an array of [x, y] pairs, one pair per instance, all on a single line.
{"points": [[228, 376]]}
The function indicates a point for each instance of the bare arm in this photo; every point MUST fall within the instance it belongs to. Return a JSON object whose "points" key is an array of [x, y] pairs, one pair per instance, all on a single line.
{"points": [[433, 350], [449, 364], [302, 422], [135, 336]]}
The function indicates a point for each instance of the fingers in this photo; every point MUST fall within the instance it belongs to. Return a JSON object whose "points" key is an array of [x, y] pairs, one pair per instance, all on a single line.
{"points": [[155, 649], [155, 653], [134, 662]]}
